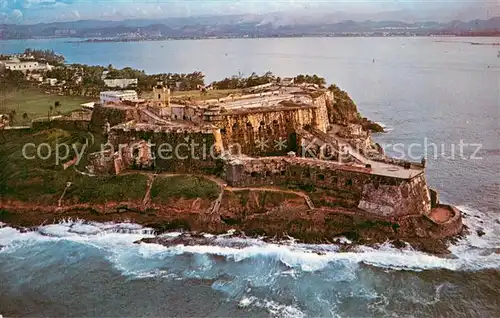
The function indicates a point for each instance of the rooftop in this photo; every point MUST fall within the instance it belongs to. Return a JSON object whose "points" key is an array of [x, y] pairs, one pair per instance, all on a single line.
{"points": [[269, 97]]}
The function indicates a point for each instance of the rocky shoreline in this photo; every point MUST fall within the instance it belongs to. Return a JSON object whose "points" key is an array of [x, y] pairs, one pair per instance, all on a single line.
{"points": [[435, 247], [346, 231]]}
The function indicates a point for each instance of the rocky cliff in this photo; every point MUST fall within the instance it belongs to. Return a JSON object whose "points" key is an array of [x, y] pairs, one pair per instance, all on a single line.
{"points": [[343, 111], [257, 212]]}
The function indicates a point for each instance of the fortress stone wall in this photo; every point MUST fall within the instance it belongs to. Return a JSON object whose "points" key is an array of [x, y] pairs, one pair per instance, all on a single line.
{"points": [[322, 102], [333, 184], [173, 149], [262, 131], [114, 115], [258, 132], [65, 124]]}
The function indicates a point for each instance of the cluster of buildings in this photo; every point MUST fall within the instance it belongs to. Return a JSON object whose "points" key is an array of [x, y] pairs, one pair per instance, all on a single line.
{"points": [[24, 65], [36, 72], [118, 96], [33, 70], [266, 120], [118, 83]]}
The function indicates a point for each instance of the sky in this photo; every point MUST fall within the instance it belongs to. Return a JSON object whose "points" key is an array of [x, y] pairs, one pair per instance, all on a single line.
{"points": [[35, 11]]}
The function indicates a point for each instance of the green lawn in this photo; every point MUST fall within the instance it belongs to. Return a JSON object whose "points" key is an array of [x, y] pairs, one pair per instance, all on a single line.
{"points": [[28, 178], [120, 188], [190, 187], [35, 103], [36, 180], [31, 179]]}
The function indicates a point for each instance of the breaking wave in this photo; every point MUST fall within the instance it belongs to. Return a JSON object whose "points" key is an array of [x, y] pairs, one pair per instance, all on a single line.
{"points": [[473, 252], [386, 127], [246, 269]]}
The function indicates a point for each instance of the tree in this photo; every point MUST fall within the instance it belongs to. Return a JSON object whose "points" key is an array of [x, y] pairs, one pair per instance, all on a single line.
{"points": [[15, 77], [314, 79], [25, 116]]}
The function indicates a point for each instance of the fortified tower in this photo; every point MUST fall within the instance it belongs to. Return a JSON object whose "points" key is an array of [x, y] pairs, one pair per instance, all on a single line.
{"points": [[161, 98]]}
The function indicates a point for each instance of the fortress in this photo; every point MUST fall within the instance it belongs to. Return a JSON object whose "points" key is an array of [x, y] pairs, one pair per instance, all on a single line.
{"points": [[279, 136]]}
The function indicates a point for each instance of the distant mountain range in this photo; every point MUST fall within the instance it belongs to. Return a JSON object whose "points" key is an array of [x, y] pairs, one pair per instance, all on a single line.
{"points": [[269, 25]]}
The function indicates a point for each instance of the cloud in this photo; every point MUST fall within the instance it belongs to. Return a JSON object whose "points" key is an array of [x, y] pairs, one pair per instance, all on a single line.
{"points": [[75, 14], [33, 11], [16, 15]]}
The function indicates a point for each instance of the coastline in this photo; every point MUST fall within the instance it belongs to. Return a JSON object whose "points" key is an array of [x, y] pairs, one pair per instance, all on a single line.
{"points": [[105, 40], [289, 37], [193, 217], [301, 192]]}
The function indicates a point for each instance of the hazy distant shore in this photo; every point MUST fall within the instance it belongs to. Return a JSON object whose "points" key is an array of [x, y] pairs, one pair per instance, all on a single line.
{"points": [[104, 40], [471, 43]]}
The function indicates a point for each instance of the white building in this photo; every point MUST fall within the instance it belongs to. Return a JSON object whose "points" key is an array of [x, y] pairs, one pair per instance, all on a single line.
{"points": [[24, 66], [21, 66], [78, 79], [51, 81], [120, 82], [36, 77], [117, 96], [104, 75]]}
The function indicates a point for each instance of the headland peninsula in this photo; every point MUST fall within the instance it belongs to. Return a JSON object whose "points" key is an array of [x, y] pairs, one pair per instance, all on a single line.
{"points": [[263, 155]]}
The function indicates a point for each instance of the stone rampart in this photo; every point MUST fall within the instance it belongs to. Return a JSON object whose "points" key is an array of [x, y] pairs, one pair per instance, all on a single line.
{"points": [[322, 102], [451, 227], [350, 186], [426, 227], [114, 115], [65, 124], [267, 132], [396, 198], [189, 150], [256, 134], [7, 133]]}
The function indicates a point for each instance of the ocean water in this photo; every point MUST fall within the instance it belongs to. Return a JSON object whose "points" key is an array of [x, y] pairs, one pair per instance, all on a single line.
{"points": [[425, 92]]}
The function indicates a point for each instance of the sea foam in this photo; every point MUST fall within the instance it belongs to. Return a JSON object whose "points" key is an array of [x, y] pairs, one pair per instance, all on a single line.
{"points": [[470, 253]]}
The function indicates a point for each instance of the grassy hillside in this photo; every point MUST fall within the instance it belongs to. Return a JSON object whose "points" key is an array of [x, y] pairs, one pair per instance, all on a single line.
{"points": [[190, 187], [35, 103], [107, 189], [42, 181], [34, 180]]}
